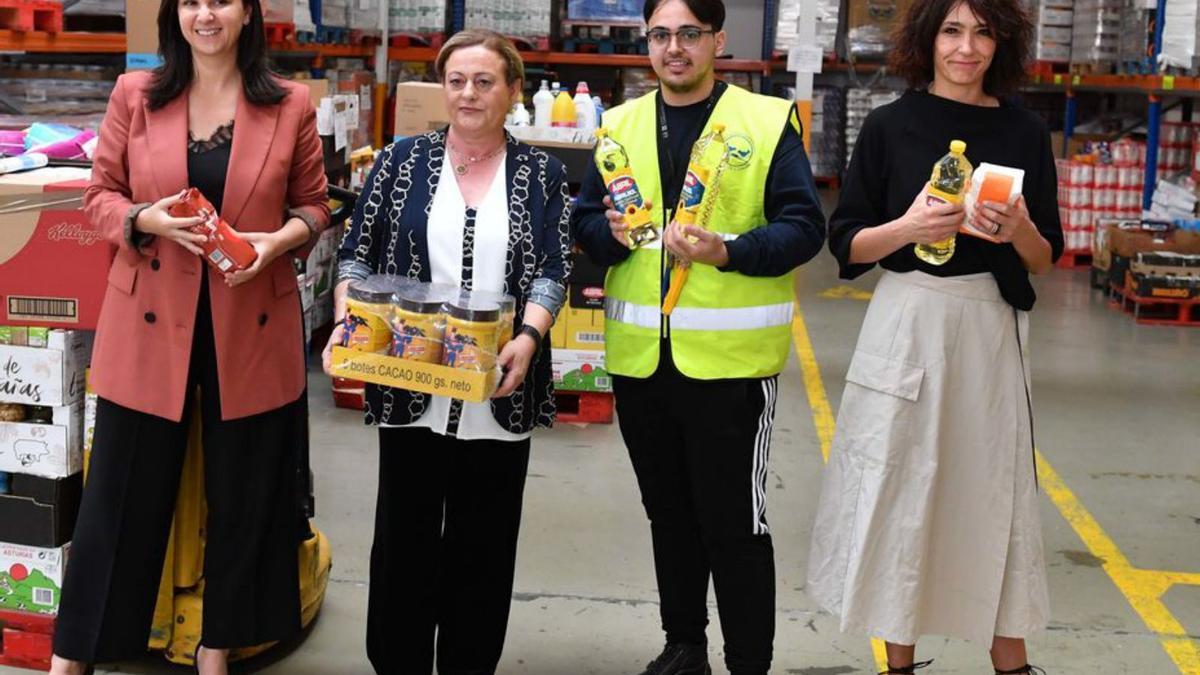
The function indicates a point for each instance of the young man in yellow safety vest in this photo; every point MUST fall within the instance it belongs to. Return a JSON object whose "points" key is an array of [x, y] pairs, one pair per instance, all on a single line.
{"points": [[695, 391]]}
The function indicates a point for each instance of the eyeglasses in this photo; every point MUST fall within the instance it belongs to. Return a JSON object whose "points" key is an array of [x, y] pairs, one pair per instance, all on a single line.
{"points": [[688, 37], [483, 84]]}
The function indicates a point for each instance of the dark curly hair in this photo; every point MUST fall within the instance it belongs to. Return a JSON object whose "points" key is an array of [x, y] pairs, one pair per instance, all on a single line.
{"points": [[1011, 27]]}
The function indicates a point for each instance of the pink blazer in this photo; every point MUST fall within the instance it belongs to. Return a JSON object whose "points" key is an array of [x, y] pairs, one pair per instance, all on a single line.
{"points": [[144, 337]]}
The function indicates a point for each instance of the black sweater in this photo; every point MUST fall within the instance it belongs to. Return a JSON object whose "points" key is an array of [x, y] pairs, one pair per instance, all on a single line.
{"points": [[896, 150]]}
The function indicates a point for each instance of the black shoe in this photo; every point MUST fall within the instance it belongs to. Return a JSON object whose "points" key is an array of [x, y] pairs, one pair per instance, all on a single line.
{"points": [[1023, 670], [680, 659]]}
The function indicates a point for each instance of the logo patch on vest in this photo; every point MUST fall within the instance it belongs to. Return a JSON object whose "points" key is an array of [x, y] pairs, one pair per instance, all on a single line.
{"points": [[741, 151]]}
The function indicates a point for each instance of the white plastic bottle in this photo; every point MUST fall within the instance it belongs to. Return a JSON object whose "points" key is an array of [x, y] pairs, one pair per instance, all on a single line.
{"points": [[585, 109], [543, 103], [520, 115]]}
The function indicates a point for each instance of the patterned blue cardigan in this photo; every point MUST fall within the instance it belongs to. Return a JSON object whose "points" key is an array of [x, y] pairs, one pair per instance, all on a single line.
{"points": [[388, 232]]}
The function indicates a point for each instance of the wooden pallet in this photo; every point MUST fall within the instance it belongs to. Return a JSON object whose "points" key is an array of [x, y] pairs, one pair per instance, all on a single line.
{"points": [[24, 16], [1156, 311], [25, 639], [1075, 259], [584, 407], [279, 32]]}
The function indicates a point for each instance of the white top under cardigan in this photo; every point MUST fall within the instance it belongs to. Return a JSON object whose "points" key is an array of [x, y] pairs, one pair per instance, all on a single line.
{"points": [[447, 220]]}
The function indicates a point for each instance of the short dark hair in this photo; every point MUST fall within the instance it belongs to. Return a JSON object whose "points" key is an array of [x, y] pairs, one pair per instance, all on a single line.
{"points": [[175, 74], [711, 12], [1011, 27]]}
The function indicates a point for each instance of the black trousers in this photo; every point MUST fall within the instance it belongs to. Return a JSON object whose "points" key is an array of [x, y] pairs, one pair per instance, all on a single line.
{"points": [[699, 449], [251, 566], [446, 525]]}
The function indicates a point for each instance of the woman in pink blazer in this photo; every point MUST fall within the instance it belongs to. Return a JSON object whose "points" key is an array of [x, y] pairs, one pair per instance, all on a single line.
{"points": [[211, 117]]}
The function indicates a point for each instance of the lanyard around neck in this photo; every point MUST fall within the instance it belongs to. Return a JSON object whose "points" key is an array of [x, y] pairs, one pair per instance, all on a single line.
{"points": [[673, 175]]}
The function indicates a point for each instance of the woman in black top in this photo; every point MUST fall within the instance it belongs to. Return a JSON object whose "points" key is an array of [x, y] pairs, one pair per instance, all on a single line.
{"points": [[928, 520]]}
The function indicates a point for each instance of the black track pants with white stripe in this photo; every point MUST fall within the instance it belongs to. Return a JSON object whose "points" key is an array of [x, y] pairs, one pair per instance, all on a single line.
{"points": [[700, 449]]}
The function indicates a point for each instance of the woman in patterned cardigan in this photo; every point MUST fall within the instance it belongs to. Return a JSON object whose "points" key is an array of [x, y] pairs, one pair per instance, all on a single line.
{"points": [[469, 206]]}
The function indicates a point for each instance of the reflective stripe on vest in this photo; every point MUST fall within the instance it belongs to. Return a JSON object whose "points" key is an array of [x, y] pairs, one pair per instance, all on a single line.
{"points": [[726, 325], [701, 318]]}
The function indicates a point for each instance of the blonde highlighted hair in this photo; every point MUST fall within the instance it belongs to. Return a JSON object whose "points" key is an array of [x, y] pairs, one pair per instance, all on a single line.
{"points": [[514, 67]]}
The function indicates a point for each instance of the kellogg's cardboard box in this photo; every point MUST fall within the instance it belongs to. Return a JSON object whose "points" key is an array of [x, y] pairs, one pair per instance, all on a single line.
{"points": [[53, 260]]}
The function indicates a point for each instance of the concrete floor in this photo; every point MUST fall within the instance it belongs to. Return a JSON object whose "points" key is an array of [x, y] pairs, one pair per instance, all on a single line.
{"points": [[1116, 407]]}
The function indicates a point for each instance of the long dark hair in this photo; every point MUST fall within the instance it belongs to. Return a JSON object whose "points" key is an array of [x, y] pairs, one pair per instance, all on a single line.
{"points": [[1011, 26], [175, 74]]}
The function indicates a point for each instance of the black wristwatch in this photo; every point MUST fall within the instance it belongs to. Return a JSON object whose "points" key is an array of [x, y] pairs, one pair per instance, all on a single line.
{"points": [[533, 333]]}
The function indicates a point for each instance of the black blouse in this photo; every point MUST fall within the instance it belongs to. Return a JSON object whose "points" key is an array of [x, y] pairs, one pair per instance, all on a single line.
{"points": [[208, 163], [893, 158]]}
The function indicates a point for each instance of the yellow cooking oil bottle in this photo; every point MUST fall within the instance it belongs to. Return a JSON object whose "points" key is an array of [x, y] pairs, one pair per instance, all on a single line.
{"points": [[710, 156], [947, 185], [613, 162]]}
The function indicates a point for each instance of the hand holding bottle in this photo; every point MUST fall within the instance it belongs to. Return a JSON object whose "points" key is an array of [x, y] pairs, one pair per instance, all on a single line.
{"points": [[927, 223]]}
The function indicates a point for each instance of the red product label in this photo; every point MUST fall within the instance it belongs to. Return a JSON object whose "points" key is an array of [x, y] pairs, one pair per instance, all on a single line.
{"points": [[223, 248]]}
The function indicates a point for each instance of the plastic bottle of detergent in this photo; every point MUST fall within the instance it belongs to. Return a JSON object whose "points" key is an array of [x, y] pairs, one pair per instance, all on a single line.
{"points": [[585, 109], [563, 113], [543, 102]]}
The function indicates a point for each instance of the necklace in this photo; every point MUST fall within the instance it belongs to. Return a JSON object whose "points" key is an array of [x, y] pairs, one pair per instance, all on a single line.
{"points": [[462, 167]]}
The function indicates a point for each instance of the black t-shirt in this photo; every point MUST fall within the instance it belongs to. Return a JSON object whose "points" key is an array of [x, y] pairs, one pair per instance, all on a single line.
{"points": [[894, 156], [684, 124]]}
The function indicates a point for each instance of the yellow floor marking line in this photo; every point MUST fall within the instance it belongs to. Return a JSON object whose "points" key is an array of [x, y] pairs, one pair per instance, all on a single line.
{"points": [[823, 420], [819, 403], [840, 292], [1142, 588]]}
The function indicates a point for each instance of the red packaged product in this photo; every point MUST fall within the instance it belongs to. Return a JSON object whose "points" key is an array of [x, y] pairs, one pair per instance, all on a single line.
{"points": [[223, 249]]}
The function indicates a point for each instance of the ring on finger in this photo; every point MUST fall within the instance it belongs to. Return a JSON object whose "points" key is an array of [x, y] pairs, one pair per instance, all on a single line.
{"points": [[995, 227]]}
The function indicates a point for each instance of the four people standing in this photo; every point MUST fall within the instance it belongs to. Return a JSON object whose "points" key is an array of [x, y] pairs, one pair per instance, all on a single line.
{"points": [[932, 475]]}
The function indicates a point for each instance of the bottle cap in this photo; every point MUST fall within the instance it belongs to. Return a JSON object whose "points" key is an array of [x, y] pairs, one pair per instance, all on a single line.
{"points": [[601, 132], [958, 147]]}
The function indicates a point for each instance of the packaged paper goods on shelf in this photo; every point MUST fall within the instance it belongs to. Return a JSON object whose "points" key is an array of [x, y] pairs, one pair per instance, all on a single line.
{"points": [[31, 577], [859, 103], [417, 16], [1181, 26], [827, 151], [786, 37], [1052, 37], [523, 18], [335, 13], [1096, 31], [302, 16], [869, 25], [364, 16]]}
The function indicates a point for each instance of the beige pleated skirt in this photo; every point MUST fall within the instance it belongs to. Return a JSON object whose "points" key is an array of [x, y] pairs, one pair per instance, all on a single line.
{"points": [[928, 518]]}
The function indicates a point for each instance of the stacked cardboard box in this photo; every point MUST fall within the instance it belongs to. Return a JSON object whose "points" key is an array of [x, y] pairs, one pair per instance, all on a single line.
{"points": [[577, 337], [41, 447]]}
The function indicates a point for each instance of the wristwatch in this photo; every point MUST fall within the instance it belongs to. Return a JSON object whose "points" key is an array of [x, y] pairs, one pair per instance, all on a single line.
{"points": [[533, 333]]}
